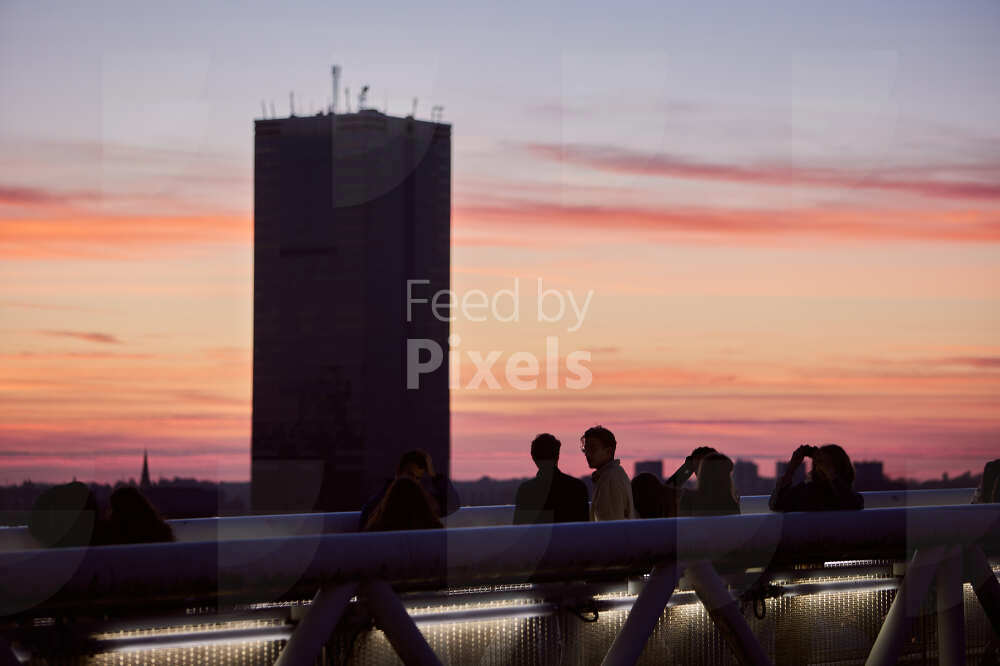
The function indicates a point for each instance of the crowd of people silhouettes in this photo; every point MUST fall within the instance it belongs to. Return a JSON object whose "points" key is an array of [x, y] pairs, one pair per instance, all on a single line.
{"points": [[418, 498], [552, 496], [67, 515]]}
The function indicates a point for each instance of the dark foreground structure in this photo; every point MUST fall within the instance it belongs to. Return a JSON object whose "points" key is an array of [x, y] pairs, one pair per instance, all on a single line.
{"points": [[914, 583], [347, 208]]}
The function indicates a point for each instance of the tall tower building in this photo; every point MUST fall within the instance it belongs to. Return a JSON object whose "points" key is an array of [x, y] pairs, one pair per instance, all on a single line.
{"points": [[347, 208]]}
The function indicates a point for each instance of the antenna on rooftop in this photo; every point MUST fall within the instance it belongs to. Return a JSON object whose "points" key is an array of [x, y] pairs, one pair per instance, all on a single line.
{"points": [[291, 104], [414, 111], [362, 97], [335, 71], [347, 99], [273, 114], [436, 113]]}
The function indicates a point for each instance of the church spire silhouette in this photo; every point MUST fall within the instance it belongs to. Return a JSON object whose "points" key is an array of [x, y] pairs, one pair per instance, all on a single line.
{"points": [[144, 482]]}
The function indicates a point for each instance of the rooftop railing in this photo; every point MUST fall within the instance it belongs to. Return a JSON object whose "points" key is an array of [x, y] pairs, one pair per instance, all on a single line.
{"points": [[944, 547], [257, 526]]}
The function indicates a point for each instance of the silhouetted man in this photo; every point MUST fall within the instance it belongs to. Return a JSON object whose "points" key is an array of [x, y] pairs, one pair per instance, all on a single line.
{"points": [[612, 488], [552, 496]]}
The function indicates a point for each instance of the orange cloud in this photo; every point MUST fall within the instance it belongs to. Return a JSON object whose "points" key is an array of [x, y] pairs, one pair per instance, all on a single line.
{"points": [[115, 236]]}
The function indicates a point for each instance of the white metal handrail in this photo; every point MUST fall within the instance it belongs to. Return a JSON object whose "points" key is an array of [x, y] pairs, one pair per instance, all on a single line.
{"points": [[485, 555], [378, 565], [262, 526]]}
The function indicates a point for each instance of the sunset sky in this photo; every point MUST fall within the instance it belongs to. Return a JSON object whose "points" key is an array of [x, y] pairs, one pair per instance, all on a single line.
{"points": [[788, 215]]}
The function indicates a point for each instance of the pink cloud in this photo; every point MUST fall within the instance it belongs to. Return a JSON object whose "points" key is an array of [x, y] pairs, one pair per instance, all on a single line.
{"points": [[740, 225], [607, 158], [103, 338], [11, 195]]}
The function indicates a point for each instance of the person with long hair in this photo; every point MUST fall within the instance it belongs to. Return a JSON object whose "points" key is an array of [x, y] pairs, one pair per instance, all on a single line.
{"points": [[135, 520], [689, 467], [830, 486], [66, 515], [405, 506], [988, 491], [416, 464], [648, 496], [716, 493]]}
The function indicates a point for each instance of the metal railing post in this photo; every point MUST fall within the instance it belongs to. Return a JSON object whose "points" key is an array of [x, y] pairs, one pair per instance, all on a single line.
{"points": [[910, 596], [642, 619], [392, 618], [7, 655], [725, 613], [984, 583], [315, 628], [950, 610]]}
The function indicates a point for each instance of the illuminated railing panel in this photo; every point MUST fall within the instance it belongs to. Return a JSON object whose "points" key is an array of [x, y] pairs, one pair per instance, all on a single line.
{"points": [[819, 627]]}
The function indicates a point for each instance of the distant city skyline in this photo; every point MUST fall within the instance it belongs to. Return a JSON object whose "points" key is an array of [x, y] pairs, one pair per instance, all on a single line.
{"points": [[787, 218]]}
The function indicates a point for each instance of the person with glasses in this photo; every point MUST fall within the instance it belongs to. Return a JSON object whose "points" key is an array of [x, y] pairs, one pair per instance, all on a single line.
{"points": [[612, 489]]}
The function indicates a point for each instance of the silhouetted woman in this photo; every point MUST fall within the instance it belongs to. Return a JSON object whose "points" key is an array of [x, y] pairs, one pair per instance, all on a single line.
{"points": [[830, 486], [405, 506], [66, 515], [648, 496], [988, 491], [134, 520], [690, 466], [716, 494]]}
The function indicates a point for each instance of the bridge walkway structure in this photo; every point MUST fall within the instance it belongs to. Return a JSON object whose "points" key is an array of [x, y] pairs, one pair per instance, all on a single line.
{"points": [[906, 584]]}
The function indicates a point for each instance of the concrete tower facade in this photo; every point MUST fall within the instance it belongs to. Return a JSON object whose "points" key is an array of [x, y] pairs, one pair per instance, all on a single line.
{"points": [[347, 208]]}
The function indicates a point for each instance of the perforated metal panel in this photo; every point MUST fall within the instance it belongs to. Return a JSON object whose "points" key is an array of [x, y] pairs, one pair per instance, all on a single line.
{"points": [[821, 628]]}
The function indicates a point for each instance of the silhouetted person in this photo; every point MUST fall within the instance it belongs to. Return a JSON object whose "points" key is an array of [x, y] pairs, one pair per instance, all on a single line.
{"points": [[552, 496], [612, 489], [405, 506], [417, 465], [66, 515], [134, 519], [648, 496], [988, 491], [689, 467], [716, 493], [830, 486]]}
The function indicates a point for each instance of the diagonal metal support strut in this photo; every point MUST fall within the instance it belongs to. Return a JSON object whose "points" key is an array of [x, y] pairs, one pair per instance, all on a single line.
{"points": [[315, 628], [399, 628], [725, 613], [950, 609], [984, 583], [643, 617], [911, 595]]}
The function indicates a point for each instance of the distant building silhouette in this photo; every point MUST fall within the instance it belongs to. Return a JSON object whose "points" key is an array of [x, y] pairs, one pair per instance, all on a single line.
{"points": [[347, 208], [798, 477], [869, 475], [654, 467], [144, 482], [747, 478]]}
